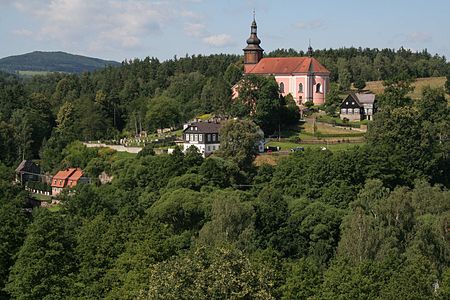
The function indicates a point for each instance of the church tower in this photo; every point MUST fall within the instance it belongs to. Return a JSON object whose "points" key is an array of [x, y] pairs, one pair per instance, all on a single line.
{"points": [[253, 52]]}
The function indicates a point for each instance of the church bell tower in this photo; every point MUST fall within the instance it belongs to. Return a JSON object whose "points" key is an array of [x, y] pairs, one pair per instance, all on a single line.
{"points": [[253, 52]]}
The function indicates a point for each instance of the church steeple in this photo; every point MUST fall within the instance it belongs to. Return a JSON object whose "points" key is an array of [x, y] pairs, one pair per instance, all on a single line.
{"points": [[310, 49], [253, 52]]}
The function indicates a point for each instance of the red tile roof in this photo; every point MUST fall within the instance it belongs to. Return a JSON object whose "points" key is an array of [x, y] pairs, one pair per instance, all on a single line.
{"points": [[71, 174], [288, 65], [73, 179]]}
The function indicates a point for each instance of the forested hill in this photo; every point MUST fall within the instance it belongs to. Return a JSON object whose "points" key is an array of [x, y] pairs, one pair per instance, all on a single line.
{"points": [[53, 62]]}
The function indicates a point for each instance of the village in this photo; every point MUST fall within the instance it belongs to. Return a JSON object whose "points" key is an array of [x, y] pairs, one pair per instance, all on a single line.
{"points": [[155, 150], [304, 79]]}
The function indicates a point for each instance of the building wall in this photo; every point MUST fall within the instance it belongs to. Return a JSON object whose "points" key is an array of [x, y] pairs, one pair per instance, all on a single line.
{"points": [[351, 117], [292, 82], [204, 149]]}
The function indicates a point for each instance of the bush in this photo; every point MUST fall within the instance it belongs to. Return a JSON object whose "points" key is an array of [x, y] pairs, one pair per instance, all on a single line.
{"points": [[40, 186]]}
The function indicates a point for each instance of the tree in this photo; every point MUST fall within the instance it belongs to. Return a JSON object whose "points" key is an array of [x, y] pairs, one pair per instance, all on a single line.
{"points": [[333, 100], [45, 263], [233, 74], [12, 231], [359, 83], [232, 221], [216, 96], [259, 99], [163, 112], [447, 85], [303, 279], [395, 94], [220, 273], [238, 141], [344, 74]]}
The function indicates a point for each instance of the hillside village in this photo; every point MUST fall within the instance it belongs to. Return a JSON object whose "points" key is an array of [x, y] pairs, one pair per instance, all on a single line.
{"points": [[317, 174]]}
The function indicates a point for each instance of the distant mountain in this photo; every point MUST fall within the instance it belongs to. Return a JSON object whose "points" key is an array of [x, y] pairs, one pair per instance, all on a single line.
{"points": [[39, 61]]}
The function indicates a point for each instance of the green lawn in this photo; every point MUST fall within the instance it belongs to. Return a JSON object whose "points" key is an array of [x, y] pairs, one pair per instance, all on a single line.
{"points": [[42, 197], [286, 146]]}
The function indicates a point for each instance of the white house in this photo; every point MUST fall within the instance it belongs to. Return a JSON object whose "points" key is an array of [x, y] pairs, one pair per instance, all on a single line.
{"points": [[203, 135], [358, 106]]}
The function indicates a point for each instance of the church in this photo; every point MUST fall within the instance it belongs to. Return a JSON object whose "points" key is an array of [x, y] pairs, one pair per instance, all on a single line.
{"points": [[305, 78]]}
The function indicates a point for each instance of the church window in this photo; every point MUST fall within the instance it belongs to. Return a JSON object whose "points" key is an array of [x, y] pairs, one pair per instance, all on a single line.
{"points": [[318, 88], [281, 87], [300, 88]]}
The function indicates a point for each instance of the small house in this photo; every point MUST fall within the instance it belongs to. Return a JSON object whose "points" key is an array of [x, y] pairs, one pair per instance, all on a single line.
{"points": [[358, 106], [27, 171], [68, 178], [203, 135]]}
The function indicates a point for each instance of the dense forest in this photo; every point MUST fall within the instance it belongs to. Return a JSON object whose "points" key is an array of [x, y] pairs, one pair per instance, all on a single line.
{"points": [[372, 222]]}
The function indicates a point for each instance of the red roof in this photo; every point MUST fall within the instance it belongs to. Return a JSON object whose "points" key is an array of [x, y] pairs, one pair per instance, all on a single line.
{"points": [[71, 174], [288, 65], [73, 179]]}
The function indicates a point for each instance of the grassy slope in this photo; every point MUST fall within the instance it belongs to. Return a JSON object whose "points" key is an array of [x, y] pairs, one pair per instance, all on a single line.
{"points": [[377, 86]]}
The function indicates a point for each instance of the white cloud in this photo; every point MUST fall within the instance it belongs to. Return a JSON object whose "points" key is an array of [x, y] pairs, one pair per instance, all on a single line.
{"points": [[195, 29], [218, 40], [417, 37], [23, 32], [98, 23], [311, 24]]}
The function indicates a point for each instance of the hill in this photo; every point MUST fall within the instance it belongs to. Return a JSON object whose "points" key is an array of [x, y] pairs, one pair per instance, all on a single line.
{"points": [[377, 87], [39, 62]]}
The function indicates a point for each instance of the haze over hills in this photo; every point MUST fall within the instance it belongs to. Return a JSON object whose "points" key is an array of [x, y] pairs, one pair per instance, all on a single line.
{"points": [[39, 61]]}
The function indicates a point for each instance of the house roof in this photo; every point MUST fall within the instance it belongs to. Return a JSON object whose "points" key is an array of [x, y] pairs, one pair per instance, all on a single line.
{"points": [[28, 166], [360, 98], [365, 98], [62, 175], [76, 175], [288, 65], [202, 127]]}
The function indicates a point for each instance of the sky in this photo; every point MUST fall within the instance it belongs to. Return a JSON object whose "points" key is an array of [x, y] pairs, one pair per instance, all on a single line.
{"points": [[127, 29]]}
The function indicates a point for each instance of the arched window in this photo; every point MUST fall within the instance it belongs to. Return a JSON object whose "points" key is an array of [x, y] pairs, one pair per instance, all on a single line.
{"points": [[281, 87], [300, 88], [318, 88]]}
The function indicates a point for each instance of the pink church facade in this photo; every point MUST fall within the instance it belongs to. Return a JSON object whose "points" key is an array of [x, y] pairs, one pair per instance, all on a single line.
{"points": [[305, 78]]}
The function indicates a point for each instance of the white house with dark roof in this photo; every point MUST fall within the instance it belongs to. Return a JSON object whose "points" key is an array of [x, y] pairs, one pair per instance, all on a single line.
{"points": [[203, 135], [357, 107]]}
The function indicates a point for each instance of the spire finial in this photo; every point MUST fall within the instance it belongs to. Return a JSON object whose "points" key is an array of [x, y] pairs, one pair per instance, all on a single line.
{"points": [[310, 49], [254, 14]]}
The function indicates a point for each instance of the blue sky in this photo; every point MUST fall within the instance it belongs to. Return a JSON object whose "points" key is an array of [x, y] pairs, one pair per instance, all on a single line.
{"points": [[119, 29]]}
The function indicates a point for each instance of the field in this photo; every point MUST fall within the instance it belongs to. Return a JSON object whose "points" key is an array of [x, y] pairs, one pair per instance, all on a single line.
{"points": [[377, 86], [286, 146], [33, 73]]}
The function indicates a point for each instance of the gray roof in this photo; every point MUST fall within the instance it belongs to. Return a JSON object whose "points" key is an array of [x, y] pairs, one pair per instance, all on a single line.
{"points": [[202, 127], [28, 166], [365, 98]]}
